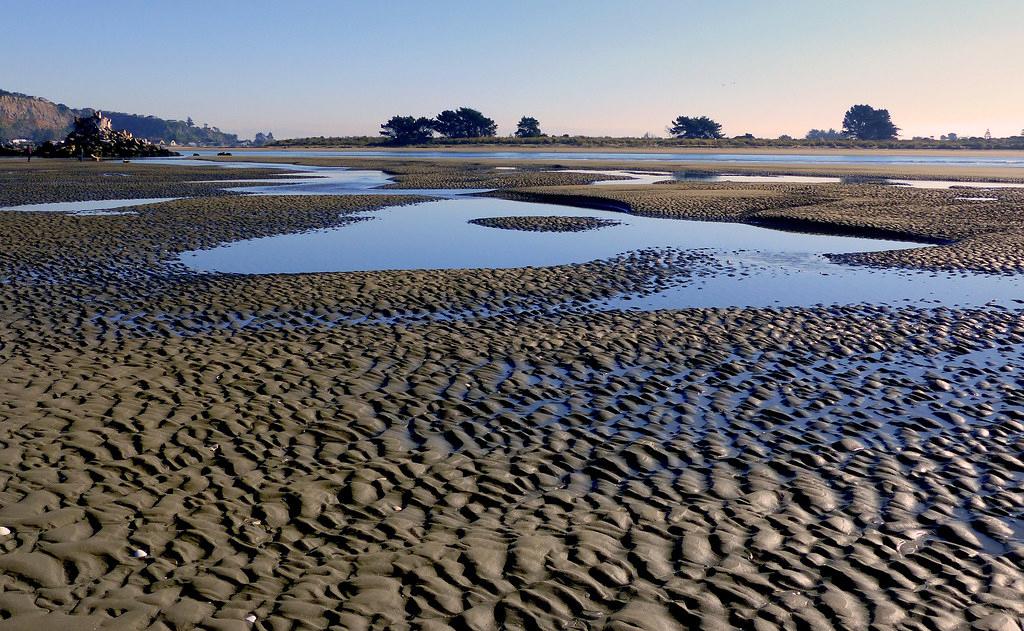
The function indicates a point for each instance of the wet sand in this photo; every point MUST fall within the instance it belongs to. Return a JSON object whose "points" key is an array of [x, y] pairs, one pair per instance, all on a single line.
{"points": [[544, 224], [40, 181], [983, 236], [409, 169], [232, 452]]}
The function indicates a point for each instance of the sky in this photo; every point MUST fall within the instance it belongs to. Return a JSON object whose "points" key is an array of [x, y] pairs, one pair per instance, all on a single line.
{"points": [[592, 67]]}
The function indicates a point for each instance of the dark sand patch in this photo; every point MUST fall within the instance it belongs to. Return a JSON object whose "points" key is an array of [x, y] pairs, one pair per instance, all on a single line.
{"points": [[42, 181], [537, 223]]}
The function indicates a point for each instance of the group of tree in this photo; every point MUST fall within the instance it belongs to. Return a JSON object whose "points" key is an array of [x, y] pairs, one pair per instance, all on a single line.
{"points": [[464, 122], [824, 134], [864, 122], [528, 127], [861, 122], [695, 127], [262, 139]]}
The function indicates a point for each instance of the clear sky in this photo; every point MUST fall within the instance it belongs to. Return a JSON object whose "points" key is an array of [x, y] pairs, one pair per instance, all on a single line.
{"points": [[598, 67]]}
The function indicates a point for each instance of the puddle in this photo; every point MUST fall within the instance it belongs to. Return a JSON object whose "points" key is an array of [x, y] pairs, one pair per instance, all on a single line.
{"points": [[81, 207], [635, 177], [944, 184], [690, 176], [102, 213]]}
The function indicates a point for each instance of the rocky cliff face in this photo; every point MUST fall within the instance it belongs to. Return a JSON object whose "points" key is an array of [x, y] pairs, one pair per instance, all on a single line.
{"points": [[37, 119], [33, 118]]}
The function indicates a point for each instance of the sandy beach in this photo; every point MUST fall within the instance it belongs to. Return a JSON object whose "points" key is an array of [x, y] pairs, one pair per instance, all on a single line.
{"points": [[474, 449]]}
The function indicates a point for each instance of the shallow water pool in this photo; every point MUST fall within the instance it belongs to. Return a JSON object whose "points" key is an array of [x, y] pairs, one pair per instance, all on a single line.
{"points": [[85, 208], [749, 265]]}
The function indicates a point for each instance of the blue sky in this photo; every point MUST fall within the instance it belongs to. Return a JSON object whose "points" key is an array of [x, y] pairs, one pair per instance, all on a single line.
{"points": [[581, 66]]}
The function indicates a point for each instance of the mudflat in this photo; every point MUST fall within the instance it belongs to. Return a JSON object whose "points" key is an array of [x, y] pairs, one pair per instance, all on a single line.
{"points": [[474, 449]]}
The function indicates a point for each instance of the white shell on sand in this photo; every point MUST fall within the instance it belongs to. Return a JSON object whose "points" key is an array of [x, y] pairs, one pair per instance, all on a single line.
{"points": [[140, 554], [251, 618], [4, 531]]}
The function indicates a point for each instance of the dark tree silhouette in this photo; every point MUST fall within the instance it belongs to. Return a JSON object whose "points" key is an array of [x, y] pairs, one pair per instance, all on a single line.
{"points": [[695, 127], [464, 122], [528, 127], [864, 122], [407, 130]]}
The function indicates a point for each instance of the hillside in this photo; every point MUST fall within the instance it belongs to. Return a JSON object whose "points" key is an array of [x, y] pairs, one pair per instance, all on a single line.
{"points": [[23, 116], [36, 118]]}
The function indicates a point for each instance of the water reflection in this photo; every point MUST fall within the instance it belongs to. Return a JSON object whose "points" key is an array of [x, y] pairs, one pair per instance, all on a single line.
{"points": [[750, 266]]}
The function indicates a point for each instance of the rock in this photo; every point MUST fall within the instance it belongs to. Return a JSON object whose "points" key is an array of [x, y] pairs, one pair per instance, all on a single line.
{"points": [[95, 137]]}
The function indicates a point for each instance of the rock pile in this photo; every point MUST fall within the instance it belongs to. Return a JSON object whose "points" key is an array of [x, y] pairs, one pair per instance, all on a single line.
{"points": [[94, 136]]}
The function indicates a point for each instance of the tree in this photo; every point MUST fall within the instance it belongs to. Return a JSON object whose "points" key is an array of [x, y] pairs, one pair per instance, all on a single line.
{"points": [[528, 127], [864, 122], [464, 122], [823, 134], [695, 127], [262, 139], [407, 130]]}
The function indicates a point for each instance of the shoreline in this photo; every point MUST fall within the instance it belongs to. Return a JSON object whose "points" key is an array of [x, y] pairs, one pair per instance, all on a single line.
{"points": [[894, 171], [614, 149]]}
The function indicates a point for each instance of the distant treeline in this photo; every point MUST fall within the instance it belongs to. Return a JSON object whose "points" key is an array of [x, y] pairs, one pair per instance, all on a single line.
{"points": [[1014, 142], [864, 127], [181, 132]]}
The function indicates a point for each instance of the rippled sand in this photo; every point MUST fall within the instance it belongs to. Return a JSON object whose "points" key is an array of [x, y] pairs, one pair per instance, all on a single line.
{"points": [[186, 451]]}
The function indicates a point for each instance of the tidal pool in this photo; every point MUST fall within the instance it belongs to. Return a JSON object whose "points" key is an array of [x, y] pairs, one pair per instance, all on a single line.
{"points": [[752, 266]]}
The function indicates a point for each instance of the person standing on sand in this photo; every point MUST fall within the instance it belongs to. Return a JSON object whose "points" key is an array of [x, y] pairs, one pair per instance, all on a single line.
{"points": [[28, 153]]}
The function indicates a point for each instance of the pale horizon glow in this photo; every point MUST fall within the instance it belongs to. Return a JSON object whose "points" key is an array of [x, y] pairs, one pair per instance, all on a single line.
{"points": [[590, 67]]}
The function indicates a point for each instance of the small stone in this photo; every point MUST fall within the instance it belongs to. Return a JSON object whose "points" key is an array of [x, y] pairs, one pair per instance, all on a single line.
{"points": [[140, 554], [251, 618], [4, 531]]}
